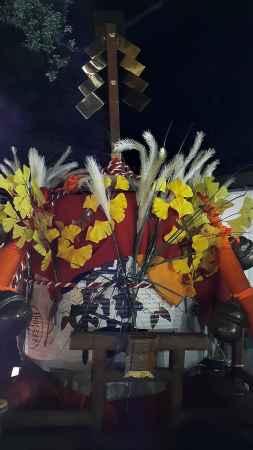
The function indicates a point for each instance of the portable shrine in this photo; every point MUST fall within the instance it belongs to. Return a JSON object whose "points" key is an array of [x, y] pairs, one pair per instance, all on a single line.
{"points": [[115, 262]]}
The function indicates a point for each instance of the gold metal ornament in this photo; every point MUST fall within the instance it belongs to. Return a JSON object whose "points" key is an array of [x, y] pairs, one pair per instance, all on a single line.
{"points": [[128, 48], [132, 65], [89, 105], [134, 82], [136, 100]]}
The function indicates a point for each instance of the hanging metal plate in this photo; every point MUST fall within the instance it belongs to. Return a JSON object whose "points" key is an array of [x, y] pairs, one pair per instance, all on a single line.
{"points": [[91, 85], [89, 105], [128, 48], [98, 62], [96, 80], [132, 66], [89, 69], [136, 100], [134, 82]]}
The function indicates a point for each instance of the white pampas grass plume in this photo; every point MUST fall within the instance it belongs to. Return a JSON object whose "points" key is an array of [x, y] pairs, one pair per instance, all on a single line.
{"points": [[63, 158], [56, 175], [96, 185], [155, 158], [37, 166], [9, 167], [130, 144], [59, 171], [5, 171], [15, 157], [192, 153], [149, 174], [229, 182], [145, 208], [210, 168], [150, 166], [167, 171], [178, 164], [198, 163], [152, 144]]}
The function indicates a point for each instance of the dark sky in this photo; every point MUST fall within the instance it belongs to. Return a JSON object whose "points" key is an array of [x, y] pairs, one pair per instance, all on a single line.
{"points": [[199, 59]]}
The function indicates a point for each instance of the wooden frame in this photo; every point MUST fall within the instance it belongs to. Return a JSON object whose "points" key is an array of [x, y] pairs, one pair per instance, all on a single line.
{"points": [[100, 343]]}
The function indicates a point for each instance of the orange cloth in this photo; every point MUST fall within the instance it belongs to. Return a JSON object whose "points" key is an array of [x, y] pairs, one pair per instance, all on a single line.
{"points": [[10, 258], [167, 282]]}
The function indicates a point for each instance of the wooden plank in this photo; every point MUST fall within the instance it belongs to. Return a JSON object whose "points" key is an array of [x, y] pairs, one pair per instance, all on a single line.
{"points": [[182, 342], [91, 341], [113, 88], [98, 388], [176, 382], [118, 342], [48, 418]]}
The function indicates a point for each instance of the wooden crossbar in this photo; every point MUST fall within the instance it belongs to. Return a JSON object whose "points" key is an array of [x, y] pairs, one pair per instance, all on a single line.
{"points": [[100, 343]]}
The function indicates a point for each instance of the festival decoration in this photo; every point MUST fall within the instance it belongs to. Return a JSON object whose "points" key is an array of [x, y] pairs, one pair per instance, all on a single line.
{"points": [[172, 213]]}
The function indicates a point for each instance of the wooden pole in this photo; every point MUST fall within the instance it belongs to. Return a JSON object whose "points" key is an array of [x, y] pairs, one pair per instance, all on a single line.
{"points": [[113, 88]]}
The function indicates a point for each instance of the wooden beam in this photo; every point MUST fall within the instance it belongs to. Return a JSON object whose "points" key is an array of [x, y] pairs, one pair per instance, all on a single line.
{"points": [[118, 341], [113, 88]]}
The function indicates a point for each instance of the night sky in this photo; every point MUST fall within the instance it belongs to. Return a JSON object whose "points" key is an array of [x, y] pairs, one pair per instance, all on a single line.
{"points": [[199, 63]]}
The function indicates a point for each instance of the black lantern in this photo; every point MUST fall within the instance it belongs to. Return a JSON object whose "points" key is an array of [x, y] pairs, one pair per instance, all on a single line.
{"points": [[243, 249], [227, 321], [15, 314]]}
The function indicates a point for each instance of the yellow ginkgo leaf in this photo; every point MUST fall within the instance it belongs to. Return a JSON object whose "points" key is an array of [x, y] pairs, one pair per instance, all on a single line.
{"points": [[179, 188], [37, 193], [23, 206], [36, 236], [39, 247], [121, 183], [99, 231], [64, 249], [196, 261], [10, 211], [181, 266], [21, 190], [240, 224], [222, 194], [23, 235], [91, 202], [27, 237], [160, 208], [107, 181], [22, 176], [118, 206], [70, 232], [51, 234], [80, 256], [8, 223], [160, 185], [2, 214], [46, 260], [6, 184], [200, 243], [211, 233], [211, 187], [175, 236], [182, 206]]}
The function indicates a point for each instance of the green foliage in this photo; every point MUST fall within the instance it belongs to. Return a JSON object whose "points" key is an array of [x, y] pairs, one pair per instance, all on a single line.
{"points": [[45, 29]]}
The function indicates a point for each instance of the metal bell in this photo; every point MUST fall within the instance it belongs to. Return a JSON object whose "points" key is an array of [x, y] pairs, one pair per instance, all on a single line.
{"points": [[227, 321], [15, 314], [244, 252]]}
